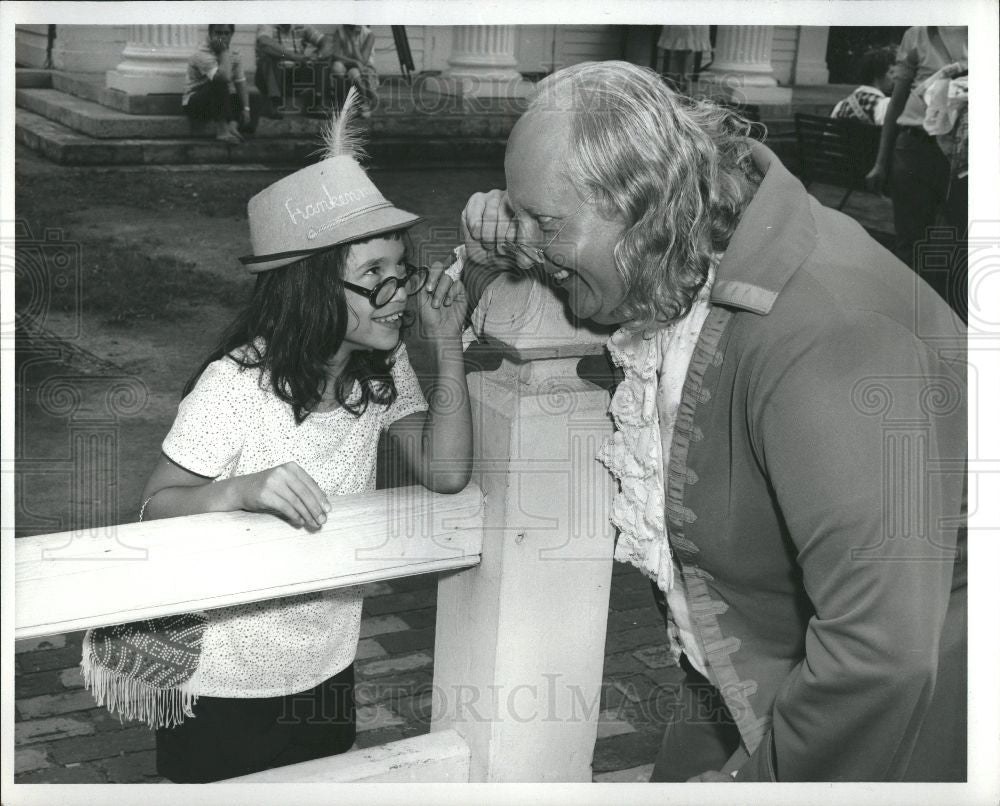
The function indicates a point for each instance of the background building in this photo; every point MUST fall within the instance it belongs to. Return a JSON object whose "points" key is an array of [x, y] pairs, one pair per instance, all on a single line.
{"points": [[141, 59]]}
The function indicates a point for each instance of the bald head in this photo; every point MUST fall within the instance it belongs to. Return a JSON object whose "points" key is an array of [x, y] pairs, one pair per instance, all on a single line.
{"points": [[538, 144], [559, 215]]}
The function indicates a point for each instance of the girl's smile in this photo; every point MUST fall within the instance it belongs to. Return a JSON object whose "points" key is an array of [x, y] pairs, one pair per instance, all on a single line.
{"points": [[392, 320], [368, 264]]}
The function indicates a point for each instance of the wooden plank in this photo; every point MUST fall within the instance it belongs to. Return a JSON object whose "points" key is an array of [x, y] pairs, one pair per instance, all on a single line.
{"points": [[440, 757], [74, 580]]}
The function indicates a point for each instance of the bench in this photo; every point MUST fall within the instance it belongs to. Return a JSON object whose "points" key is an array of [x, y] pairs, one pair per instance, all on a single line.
{"points": [[835, 151]]}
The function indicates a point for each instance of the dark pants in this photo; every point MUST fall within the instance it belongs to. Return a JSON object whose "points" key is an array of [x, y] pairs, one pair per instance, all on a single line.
{"points": [[921, 187], [700, 734], [231, 737], [213, 101]]}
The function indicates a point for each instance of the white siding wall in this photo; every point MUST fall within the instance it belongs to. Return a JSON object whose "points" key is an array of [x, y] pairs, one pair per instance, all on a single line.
{"points": [[584, 43], [785, 43], [80, 48], [30, 42]]}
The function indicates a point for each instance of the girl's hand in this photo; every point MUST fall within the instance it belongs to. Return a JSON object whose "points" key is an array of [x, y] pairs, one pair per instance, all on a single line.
{"points": [[442, 304], [286, 490]]}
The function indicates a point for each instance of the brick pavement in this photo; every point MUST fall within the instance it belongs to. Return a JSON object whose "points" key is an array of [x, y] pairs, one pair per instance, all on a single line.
{"points": [[61, 737]]}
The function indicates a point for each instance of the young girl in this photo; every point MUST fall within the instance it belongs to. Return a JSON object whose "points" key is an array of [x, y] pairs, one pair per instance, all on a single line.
{"points": [[284, 416]]}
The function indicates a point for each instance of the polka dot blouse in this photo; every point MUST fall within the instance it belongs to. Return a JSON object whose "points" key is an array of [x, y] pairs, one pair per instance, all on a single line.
{"points": [[232, 424]]}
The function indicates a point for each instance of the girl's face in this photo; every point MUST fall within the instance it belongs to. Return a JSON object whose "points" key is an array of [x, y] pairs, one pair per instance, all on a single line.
{"points": [[367, 264]]}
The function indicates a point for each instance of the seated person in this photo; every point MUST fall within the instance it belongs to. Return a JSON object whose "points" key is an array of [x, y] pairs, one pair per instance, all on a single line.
{"points": [[869, 102], [350, 51], [216, 88], [279, 48]]}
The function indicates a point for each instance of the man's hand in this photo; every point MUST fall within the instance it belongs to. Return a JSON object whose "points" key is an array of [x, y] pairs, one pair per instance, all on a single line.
{"points": [[488, 223], [711, 777]]}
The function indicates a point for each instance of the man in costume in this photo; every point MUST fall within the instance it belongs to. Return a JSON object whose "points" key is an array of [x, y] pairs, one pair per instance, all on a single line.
{"points": [[791, 431]]}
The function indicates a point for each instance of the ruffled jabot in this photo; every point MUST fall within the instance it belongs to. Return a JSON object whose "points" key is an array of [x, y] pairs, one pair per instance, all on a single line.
{"points": [[634, 453]]}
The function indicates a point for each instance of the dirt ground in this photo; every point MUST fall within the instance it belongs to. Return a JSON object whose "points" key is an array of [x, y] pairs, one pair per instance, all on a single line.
{"points": [[149, 281]]}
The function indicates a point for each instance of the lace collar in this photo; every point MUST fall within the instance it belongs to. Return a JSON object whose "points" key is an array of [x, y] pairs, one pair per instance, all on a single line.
{"points": [[634, 453]]}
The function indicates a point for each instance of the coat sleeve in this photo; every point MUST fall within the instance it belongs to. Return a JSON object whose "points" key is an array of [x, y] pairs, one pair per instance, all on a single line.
{"points": [[851, 429]]}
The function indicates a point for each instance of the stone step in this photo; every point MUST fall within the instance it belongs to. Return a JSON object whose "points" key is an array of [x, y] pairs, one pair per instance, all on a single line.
{"points": [[95, 120], [65, 146], [32, 77], [90, 86], [395, 115]]}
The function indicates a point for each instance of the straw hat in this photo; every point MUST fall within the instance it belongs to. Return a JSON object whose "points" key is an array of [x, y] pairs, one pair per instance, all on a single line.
{"points": [[329, 203]]}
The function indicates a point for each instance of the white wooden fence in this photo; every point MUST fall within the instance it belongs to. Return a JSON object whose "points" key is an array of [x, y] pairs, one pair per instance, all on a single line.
{"points": [[522, 603]]}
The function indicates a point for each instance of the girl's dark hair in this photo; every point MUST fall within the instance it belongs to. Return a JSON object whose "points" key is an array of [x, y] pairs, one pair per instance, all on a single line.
{"points": [[294, 323]]}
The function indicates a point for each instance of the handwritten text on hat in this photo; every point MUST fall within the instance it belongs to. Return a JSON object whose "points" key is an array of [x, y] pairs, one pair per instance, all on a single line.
{"points": [[298, 215]]}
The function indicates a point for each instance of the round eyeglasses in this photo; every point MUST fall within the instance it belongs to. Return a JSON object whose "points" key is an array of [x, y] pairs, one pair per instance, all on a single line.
{"points": [[382, 293], [535, 254]]}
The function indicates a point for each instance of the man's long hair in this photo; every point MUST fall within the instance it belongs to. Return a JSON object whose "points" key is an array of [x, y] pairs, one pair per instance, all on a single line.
{"points": [[295, 322], [678, 171]]}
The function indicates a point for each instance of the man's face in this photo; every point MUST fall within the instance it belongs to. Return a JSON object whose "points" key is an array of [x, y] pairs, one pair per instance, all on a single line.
{"points": [[219, 38], [549, 208]]}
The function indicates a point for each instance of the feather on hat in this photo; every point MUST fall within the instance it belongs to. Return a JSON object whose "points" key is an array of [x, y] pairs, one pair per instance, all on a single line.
{"points": [[323, 205]]}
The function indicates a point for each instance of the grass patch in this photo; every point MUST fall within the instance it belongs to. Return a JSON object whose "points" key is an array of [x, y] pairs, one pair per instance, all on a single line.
{"points": [[121, 286], [210, 194]]}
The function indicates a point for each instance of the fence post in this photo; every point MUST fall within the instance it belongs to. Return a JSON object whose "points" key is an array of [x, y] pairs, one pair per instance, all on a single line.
{"points": [[520, 639]]}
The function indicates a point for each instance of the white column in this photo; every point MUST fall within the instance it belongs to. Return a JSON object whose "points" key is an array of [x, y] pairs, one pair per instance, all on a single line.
{"points": [[810, 55], [742, 65], [155, 58], [482, 63], [519, 650]]}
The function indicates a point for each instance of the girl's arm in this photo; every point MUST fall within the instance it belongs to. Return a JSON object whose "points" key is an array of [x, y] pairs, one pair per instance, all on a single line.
{"points": [[436, 445], [286, 490]]}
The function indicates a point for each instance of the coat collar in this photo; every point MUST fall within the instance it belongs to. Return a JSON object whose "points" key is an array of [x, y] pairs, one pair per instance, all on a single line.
{"points": [[773, 239]]}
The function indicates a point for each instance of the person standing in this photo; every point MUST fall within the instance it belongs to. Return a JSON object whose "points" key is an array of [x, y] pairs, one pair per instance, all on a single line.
{"points": [[686, 49], [921, 182], [283, 417], [216, 88]]}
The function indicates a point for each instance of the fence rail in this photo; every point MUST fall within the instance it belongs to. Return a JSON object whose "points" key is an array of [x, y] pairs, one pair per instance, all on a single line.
{"points": [[95, 577]]}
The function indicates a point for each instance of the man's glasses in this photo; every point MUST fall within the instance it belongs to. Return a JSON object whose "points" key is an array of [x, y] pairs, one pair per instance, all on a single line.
{"points": [[534, 253], [382, 293]]}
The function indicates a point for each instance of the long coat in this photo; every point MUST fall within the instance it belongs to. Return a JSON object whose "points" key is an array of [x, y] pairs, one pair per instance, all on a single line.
{"points": [[815, 500]]}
